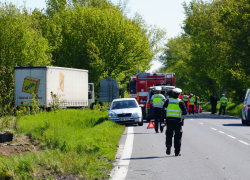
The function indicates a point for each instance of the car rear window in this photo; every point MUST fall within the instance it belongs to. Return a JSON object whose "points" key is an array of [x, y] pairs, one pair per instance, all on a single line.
{"points": [[124, 104]]}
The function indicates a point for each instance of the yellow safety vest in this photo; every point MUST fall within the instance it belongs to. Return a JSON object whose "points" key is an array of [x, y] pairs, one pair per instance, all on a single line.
{"points": [[198, 99], [191, 101], [157, 101], [223, 101], [185, 98], [173, 109]]}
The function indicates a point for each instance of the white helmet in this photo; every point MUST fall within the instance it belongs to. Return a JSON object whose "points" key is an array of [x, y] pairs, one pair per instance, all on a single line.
{"points": [[191, 94], [158, 88], [223, 94], [177, 90]]}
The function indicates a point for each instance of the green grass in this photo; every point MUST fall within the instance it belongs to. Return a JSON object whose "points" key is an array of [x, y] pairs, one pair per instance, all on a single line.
{"points": [[233, 108], [75, 142]]}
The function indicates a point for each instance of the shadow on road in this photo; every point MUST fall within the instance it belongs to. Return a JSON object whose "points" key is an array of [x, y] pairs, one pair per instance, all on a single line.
{"points": [[233, 125], [208, 115], [153, 157]]}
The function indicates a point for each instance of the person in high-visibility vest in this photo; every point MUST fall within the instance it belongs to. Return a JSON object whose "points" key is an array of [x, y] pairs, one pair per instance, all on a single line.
{"points": [[197, 102], [158, 100], [191, 103], [223, 105], [185, 99], [175, 109]]}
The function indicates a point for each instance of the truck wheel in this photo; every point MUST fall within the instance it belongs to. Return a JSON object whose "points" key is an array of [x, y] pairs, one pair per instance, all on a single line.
{"points": [[82, 108]]}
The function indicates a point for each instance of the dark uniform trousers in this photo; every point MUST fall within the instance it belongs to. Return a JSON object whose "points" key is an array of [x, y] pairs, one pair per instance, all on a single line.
{"points": [[186, 103], [213, 108], [158, 118], [174, 128], [191, 107], [222, 108]]}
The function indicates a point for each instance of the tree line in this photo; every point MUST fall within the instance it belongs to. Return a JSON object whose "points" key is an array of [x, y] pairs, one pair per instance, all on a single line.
{"points": [[96, 35], [212, 53]]}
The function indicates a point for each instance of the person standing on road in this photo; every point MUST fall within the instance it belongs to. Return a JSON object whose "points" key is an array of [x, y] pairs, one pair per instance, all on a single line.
{"points": [[197, 102], [185, 99], [223, 105], [213, 101], [191, 103], [158, 100], [175, 109]]}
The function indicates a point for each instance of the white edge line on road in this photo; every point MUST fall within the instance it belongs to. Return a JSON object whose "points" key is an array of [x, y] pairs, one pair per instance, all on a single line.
{"points": [[213, 129], [244, 142], [120, 172], [231, 136], [221, 132], [201, 123]]}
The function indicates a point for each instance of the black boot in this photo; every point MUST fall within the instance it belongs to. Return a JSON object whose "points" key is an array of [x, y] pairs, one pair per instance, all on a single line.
{"points": [[168, 151]]}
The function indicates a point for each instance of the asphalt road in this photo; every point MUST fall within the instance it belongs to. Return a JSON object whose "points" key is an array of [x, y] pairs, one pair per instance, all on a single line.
{"points": [[213, 147]]}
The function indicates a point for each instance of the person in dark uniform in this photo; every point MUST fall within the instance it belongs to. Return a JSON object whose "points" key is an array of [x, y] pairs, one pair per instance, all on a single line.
{"points": [[175, 109], [158, 100], [213, 101]]}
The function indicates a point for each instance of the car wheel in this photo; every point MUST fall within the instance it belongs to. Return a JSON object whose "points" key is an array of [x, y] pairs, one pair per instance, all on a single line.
{"points": [[246, 121], [140, 123], [242, 120]]}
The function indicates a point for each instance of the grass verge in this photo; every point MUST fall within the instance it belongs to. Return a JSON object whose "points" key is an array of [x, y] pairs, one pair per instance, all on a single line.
{"points": [[232, 109], [81, 143]]}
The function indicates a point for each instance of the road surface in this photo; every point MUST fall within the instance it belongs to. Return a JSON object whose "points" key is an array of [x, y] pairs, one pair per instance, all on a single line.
{"points": [[213, 147]]}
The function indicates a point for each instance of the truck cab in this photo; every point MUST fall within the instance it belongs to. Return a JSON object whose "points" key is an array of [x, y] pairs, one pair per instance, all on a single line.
{"points": [[166, 91]]}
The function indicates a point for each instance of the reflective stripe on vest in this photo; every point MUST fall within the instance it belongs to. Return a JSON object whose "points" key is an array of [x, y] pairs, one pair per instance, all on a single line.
{"points": [[191, 101], [157, 101], [223, 101], [173, 109]]}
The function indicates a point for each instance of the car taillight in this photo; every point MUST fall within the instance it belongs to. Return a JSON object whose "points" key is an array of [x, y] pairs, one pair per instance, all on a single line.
{"points": [[148, 106], [248, 107]]}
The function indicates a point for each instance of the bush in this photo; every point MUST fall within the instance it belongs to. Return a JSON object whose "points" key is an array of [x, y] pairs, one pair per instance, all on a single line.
{"points": [[233, 108]]}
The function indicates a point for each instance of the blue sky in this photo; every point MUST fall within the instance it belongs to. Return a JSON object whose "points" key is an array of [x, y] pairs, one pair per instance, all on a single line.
{"points": [[166, 14]]}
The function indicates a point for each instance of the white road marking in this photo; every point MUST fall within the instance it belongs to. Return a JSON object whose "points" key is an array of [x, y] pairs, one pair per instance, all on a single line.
{"points": [[121, 170], [244, 142], [231, 136], [201, 123], [221, 132], [213, 129]]}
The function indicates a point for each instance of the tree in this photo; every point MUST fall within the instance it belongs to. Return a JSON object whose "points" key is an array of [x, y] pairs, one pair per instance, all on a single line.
{"points": [[21, 44]]}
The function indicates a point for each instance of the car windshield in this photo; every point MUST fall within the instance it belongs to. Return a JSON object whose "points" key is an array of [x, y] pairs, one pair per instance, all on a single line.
{"points": [[124, 104]]}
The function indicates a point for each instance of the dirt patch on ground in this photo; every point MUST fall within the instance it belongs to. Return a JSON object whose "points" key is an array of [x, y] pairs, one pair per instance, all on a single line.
{"points": [[22, 144]]}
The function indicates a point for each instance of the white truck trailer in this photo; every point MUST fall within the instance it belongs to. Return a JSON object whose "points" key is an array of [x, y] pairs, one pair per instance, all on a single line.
{"points": [[71, 85]]}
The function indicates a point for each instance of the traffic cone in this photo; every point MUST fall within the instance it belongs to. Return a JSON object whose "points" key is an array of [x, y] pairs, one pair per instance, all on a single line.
{"points": [[151, 125]]}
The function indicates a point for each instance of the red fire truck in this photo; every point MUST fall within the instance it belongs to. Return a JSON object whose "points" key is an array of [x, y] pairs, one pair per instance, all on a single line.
{"points": [[139, 84]]}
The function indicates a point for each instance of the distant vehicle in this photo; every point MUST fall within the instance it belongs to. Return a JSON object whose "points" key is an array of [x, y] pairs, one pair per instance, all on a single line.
{"points": [[125, 111], [166, 91], [69, 84], [245, 118], [138, 85]]}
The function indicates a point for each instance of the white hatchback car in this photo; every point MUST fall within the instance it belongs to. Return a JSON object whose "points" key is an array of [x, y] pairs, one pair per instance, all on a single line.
{"points": [[125, 111], [246, 109]]}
